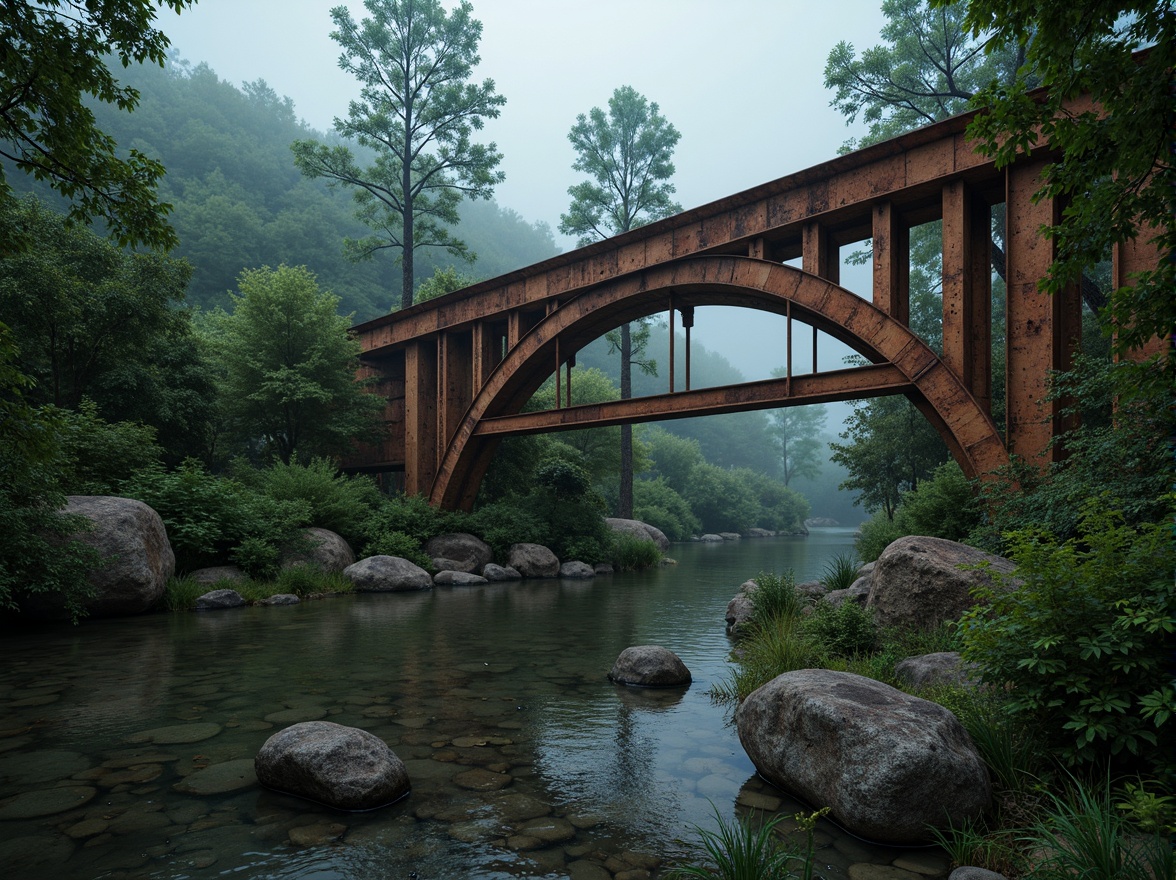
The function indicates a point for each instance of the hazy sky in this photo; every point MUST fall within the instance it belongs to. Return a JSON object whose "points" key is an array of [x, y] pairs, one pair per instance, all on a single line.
{"points": [[742, 80]]}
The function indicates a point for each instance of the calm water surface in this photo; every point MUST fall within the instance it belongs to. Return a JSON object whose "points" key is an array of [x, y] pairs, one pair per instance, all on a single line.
{"points": [[126, 746]]}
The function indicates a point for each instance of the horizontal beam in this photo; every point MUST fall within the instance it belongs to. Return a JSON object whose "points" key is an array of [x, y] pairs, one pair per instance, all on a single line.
{"points": [[828, 387]]}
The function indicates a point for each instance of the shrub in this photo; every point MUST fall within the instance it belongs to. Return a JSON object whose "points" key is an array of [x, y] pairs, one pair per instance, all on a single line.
{"points": [[398, 544], [1084, 639], [842, 630], [765, 651], [410, 515], [946, 506], [721, 499], [504, 523], [877, 533], [336, 502], [631, 553], [654, 502], [840, 572], [775, 597], [101, 456]]}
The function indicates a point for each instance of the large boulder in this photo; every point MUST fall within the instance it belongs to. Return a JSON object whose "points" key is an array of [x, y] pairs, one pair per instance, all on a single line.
{"points": [[576, 570], [740, 611], [533, 561], [638, 529], [322, 549], [342, 767], [219, 600], [889, 766], [942, 667], [495, 573], [387, 574], [919, 582], [649, 666], [137, 559], [463, 552]]}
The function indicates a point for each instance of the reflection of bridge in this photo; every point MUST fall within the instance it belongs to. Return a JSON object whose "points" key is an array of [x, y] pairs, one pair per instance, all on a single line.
{"points": [[457, 371]]}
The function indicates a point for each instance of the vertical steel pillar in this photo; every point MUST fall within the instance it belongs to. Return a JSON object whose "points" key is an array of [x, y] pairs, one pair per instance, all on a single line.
{"points": [[892, 263], [967, 294], [420, 416]]}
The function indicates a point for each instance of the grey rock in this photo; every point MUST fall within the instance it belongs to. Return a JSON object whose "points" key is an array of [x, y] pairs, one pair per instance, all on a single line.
{"points": [[602, 568], [649, 666], [710, 539], [760, 533], [577, 570], [639, 529], [970, 873], [387, 574], [739, 613], [281, 599], [218, 600], [533, 561], [471, 553], [322, 549], [889, 765], [216, 573], [857, 592], [943, 667], [811, 589], [494, 572], [458, 579], [343, 767], [137, 559], [730, 536], [821, 522], [918, 583]]}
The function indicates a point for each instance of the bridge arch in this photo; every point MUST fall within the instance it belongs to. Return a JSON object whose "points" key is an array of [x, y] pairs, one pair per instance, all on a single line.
{"points": [[938, 392]]}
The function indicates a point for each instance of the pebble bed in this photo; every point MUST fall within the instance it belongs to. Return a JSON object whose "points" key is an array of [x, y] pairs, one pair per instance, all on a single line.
{"points": [[126, 747]]}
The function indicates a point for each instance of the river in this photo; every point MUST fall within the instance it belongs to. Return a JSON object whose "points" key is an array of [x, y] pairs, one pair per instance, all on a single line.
{"points": [[125, 745]]}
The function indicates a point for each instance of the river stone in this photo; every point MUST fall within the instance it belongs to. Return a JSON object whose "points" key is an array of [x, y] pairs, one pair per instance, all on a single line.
{"points": [[493, 572], [550, 829], [740, 611], [281, 599], [387, 574], [942, 667], [649, 666], [870, 871], [890, 766], [730, 536], [471, 554], [218, 600], [480, 779], [710, 539], [639, 529], [46, 801], [137, 559], [458, 579], [322, 549], [177, 734], [917, 582], [297, 714], [319, 834], [343, 767], [533, 561], [968, 872], [37, 851], [577, 570], [214, 574], [219, 778], [520, 807], [30, 768], [582, 869]]}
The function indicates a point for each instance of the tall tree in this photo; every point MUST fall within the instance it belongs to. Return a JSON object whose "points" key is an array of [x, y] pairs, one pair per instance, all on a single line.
{"points": [[289, 380], [417, 110], [627, 155], [54, 59], [797, 432]]}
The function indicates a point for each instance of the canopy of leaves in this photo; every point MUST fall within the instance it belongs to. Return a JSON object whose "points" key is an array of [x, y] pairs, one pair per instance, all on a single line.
{"points": [[289, 367], [55, 60], [417, 110]]}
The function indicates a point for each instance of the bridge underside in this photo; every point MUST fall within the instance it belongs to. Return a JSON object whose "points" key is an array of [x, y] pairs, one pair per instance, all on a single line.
{"points": [[456, 372]]}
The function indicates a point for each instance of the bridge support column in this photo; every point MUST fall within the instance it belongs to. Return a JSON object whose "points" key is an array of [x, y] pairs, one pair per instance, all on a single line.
{"points": [[1130, 257], [420, 416], [1043, 331], [892, 262], [967, 290], [456, 359], [820, 254]]}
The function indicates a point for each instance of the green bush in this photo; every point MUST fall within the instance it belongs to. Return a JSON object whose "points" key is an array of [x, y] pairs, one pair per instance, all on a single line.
{"points": [[946, 506], [721, 499], [654, 502], [631, 553], [840, 572], [307, 580], [100, 456], [335, 501], [775, 597], [1083, 639], [398, 544], [504, 523], [842, 630], [877, 533]]}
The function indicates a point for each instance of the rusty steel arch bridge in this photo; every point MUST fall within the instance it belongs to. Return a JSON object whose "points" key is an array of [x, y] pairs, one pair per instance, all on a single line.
{"points": [[455, 372]]}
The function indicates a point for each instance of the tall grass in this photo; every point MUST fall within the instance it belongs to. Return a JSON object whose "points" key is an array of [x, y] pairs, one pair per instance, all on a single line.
{"points": [[775, 597], [840, 572], [181, 593], [738, 851], [631, 553]]}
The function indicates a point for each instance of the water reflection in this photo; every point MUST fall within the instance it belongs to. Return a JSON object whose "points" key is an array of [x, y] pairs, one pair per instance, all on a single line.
{"points": [[524, 758]]}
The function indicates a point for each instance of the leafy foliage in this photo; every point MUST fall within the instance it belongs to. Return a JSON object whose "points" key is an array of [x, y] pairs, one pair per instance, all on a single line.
{"points": [[445, 280], [630, 553], [654, 502], [797, 432], [55, 61], [840, 572], [417, 111], [843, 630], [398, 544], [100, 456], [289, 367], [1084, 640], [945, 506], [739, 851]]}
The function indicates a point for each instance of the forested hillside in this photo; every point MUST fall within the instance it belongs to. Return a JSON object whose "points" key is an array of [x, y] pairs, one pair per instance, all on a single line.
{"points": [[239, 202]]}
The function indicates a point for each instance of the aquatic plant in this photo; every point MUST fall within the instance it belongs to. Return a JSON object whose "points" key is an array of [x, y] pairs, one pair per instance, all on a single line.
{"points": [[739, 851]]}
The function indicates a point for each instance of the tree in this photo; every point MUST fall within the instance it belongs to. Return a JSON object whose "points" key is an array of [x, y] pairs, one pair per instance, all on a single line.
{"points": [[56, 55], [892, 448], [443, 281], [417, 110], [289, 367], [797, 432], [1113, 164], [627, 155]]}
